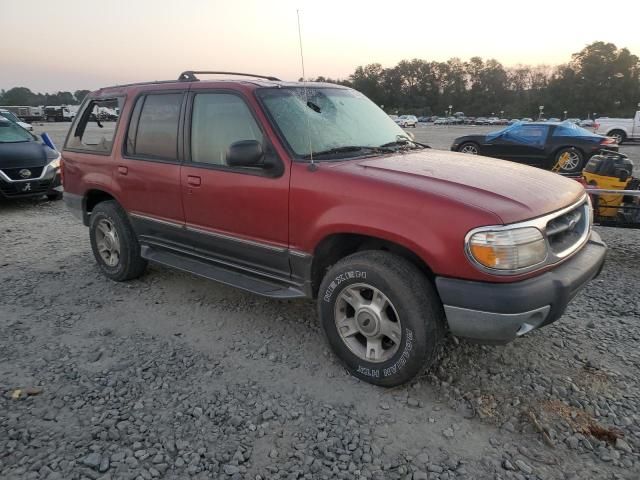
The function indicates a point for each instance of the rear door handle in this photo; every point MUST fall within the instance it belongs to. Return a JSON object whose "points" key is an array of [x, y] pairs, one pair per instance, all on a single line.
{"points": [[122, 170], [193, 180]]}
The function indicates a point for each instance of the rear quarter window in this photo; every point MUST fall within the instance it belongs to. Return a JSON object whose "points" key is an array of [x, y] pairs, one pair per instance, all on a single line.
{"points": [[96, 126], [571, 131]]}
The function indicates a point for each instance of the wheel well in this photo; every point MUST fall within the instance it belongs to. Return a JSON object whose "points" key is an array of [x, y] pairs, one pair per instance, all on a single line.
{"points": [[470, 142], [335, 247], [624, 134], [93, 198]]}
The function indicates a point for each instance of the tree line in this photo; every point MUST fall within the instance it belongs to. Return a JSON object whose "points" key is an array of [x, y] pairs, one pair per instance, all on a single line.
{"points": [[24, 96], [600, 80]]}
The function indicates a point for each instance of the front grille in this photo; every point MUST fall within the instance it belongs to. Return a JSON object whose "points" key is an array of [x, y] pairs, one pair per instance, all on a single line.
{"points": [[18, 189], [566, 232], [14, 173]]}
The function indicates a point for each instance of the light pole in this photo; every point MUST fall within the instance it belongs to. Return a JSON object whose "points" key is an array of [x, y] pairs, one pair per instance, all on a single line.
{"points": [[541, 108], [450, 109], [501, 114], [565, 115]]}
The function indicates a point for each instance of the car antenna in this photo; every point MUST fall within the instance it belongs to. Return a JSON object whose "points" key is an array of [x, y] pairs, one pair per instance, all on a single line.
{"points": [[312, 166]]}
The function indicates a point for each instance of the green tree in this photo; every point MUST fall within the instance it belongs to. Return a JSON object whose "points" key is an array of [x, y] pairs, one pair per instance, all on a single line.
{"points": [[18, 96], [79, 95]]}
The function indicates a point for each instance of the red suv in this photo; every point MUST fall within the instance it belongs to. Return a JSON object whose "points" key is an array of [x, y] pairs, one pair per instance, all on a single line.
{"points": [[291, 190]]}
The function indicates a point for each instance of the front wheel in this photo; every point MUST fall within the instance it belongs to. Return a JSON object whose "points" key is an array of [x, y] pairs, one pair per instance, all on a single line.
{"points": [[469, 147], [52, 197], [381, 316]]}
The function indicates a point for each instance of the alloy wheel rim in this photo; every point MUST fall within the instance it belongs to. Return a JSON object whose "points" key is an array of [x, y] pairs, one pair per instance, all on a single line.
{"points": [[572, 162], [368, 323], [469, 149], [108, 242]]}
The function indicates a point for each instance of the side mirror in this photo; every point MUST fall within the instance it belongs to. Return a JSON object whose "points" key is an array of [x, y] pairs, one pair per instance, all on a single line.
{"points": [[245, 153]]}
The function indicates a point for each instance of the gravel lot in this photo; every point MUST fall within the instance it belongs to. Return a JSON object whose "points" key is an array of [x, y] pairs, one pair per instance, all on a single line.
{"points": [[173, 376]]}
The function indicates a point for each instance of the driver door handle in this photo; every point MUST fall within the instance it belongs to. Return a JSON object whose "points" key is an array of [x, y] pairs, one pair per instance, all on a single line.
{"points": [[194, 181]]}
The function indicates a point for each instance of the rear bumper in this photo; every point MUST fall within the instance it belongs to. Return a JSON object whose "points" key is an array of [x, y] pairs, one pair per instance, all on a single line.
{"points": [[501, 312]]}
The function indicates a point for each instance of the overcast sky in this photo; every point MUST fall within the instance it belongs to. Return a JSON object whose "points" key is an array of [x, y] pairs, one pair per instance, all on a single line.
{"points": [[73, 44]]}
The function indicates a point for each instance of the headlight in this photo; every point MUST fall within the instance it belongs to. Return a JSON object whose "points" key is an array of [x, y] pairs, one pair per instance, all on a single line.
{"points": [[55, 163], [508, 250]]}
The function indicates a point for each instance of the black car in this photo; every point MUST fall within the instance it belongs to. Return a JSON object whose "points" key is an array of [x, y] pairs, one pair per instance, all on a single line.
{"points": [[28, 168], [539, 144]]}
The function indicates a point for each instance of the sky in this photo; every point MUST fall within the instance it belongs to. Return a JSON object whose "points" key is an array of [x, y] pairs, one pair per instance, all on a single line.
{"points": [[76, 44]]}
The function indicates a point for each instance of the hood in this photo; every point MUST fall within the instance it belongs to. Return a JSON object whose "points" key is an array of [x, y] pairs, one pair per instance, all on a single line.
{"points": [[510, 191], [467, 138], [22, 154]]}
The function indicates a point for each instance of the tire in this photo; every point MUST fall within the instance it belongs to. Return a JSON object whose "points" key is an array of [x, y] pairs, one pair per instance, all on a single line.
{"points": [[577, 160], [619, 135], [469, 148], [52, 197], [412, 314], [108, 217]]}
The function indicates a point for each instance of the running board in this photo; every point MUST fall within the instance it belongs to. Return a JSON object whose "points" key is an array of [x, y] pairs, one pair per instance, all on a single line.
{"points": [[207, 269]]}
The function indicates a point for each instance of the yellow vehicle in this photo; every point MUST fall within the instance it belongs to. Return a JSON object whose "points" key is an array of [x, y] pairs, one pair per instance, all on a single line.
{"points": [[614, 191]]}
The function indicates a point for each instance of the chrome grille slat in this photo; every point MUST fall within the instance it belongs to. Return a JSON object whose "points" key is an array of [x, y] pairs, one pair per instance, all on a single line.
{"points": [[14, 173], [566, 232]]}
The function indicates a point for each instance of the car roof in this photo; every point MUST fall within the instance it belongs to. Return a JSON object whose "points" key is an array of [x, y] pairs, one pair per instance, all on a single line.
{"points": [[224, 79], [545, 123]]}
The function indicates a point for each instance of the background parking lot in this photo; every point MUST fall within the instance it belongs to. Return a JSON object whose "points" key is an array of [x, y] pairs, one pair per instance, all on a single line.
{"points": [[437, 136], [173, 376]]}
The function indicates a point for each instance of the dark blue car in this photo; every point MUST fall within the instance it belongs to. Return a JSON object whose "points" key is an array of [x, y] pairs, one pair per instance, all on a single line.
{"points": [[28, 168], [540, 144]]}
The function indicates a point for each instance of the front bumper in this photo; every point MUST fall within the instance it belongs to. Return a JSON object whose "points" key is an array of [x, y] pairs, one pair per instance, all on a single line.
{"points": [[46, 184], [501, 312]]}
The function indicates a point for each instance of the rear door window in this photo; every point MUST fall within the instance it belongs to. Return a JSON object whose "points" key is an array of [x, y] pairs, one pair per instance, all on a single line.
{"points": [[96, 126], [153, 130]]}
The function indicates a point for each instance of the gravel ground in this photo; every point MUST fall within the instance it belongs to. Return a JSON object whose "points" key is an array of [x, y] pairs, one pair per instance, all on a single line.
{"points": [[173, 376]]}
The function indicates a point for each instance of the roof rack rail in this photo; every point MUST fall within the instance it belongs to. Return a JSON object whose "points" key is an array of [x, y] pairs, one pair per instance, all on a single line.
{"points": [[190, 75]]}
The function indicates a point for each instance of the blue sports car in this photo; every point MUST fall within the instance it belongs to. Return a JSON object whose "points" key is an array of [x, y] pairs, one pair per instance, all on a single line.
{"points": [[540, 144]]}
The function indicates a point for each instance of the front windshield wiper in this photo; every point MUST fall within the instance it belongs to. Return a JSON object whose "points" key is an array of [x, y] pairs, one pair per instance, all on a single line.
{"points": [[402, 141], [351, 148]]}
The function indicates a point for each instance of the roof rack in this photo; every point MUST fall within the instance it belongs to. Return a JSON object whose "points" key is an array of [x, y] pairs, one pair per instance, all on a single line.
{"points": [[190, 75]]}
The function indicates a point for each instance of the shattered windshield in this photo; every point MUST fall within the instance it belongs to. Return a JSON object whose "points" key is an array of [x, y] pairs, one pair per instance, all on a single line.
{"points": [[330, 122]]}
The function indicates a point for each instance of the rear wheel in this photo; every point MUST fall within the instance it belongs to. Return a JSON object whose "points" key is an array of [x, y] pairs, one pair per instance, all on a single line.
{"points": [[114, 243], [469, 147], [571, 160], [618, 135], [381, 317]]}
